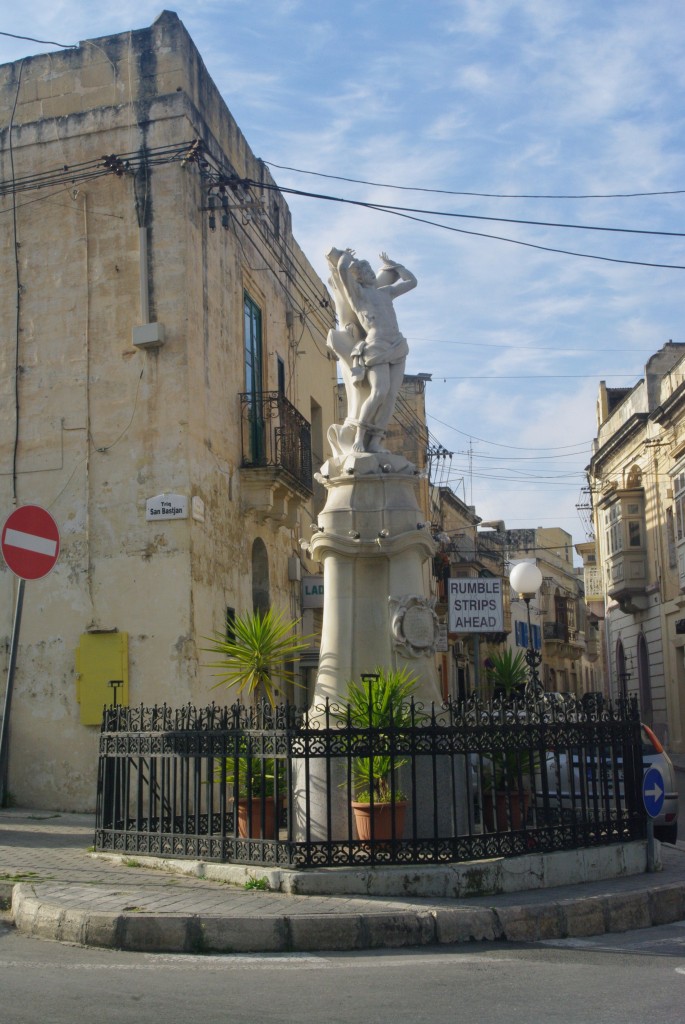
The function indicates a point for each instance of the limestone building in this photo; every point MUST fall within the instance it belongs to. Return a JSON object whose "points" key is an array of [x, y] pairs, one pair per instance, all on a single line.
{"points": [[637, 477], [166, 389]]}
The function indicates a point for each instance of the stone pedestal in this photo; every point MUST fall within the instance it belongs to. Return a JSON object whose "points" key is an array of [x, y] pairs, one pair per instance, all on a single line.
{"points": [[373, 542]]}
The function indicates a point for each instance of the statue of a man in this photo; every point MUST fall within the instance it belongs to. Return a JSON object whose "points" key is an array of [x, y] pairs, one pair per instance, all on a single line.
{"points": [[368, 342]]}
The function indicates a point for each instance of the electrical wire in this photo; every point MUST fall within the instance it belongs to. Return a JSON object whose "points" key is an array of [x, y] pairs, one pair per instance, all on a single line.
{"points": [[219, 173], [479, 195], [44, 42], [536, 376], [532, 245], [17, 324], [529, 348], [475, 216], [398, 212], [513, 447]]}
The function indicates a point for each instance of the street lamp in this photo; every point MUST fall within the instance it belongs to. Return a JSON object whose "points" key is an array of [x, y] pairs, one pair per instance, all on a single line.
{"points": [[526, 579]]}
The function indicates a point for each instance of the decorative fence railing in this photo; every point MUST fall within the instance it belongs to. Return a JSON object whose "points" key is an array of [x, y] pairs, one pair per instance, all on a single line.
{"points": [[277, 786], [275, 434]]}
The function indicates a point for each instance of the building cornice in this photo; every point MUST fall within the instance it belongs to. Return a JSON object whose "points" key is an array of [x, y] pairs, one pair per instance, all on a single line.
{"points": [[632, 426]]}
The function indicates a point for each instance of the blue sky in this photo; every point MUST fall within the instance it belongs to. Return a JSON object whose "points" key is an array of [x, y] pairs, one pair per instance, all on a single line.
{"points": [[506, 98]]}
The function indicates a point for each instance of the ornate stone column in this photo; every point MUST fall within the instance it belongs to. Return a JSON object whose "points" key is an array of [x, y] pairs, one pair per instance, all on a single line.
{"points": [[373, 544]]}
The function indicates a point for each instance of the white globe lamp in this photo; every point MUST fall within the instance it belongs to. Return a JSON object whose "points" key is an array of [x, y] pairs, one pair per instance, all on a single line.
{"points": [[526, 579]]}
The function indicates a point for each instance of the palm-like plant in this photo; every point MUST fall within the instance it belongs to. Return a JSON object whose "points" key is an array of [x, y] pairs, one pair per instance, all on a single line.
{"points": [[256, 657], [250, 776], [381, 701], [508, 672]]}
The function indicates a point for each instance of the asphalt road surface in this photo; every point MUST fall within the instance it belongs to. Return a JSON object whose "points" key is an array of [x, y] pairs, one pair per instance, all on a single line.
{"points": [[618, 979]]}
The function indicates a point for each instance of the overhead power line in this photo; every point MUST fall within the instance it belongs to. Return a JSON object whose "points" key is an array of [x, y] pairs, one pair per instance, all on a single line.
{"points": [[400, 212], [477, 216], [478, 195], [535, 376], [45, 42], [513, 447]]}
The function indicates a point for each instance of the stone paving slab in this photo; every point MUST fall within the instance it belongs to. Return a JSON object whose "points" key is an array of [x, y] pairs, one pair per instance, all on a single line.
{"points": [[60, 891]]}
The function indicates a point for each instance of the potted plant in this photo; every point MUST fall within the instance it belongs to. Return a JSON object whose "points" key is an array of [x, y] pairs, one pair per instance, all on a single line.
{"points": [[257, 654], [252, 781], [381, 703], [506, 775], [508, 673], [506, 781]]}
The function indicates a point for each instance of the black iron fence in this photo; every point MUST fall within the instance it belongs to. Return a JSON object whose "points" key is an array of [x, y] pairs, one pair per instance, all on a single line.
{"points": [[282, 787]]}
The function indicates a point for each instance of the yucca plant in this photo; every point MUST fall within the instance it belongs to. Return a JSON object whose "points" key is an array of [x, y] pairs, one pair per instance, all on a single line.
{"points": [[508, 672], [256, 656], [382, 700], [251, 776]]}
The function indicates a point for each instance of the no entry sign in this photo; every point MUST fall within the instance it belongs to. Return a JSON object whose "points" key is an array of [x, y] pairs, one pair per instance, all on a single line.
{"points": [[30, 542]]}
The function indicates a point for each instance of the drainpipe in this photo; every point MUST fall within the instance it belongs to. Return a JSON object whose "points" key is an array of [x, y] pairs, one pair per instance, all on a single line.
{"points": [[142, 270]]}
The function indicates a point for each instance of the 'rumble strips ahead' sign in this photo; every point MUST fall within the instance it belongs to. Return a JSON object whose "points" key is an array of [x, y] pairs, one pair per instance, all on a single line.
{"points": [[475, 605]]}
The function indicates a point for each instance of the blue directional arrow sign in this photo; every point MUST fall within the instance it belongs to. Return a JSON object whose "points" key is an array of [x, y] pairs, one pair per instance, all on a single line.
{"points": [[653, 791]]}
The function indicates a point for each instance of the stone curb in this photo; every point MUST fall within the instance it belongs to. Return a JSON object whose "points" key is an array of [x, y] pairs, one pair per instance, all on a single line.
{"points": [[494, 876], [177, 933]]}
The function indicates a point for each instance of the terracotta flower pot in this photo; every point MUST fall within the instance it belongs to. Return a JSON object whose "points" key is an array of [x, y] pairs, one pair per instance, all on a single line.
{"points": [[269, 818], [382, 819], [505, 803]]}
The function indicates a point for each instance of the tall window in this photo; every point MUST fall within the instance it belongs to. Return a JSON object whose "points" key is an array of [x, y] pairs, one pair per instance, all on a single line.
{"points": [[644, 682], [253, 345], [621, 670], [614, 533], [679, 495], [261, 600], [679, 524], [252, 327]]}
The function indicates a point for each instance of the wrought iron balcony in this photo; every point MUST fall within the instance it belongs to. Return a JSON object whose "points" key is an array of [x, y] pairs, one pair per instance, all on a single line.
{"points": [[556, 631], [276, 456]]}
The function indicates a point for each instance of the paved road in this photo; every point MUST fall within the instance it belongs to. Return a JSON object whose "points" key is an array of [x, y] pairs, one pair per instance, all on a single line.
{"points": [[628, 979]]}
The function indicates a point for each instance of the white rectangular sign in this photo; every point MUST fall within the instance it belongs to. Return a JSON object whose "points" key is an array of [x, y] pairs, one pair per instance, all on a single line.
{"points": [[312, 592], [475, 605], [166, 506]]}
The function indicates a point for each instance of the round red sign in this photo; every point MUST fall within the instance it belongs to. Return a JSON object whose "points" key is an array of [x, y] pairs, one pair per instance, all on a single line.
{"points": [[30, 542]]}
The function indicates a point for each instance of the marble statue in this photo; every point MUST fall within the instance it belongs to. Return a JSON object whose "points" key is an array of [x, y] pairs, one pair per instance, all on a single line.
{"points": [[368, 343]]}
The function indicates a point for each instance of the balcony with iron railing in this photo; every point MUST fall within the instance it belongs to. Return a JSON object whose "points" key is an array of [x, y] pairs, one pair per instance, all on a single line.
{"points": [[556, 631], [276, 466]]}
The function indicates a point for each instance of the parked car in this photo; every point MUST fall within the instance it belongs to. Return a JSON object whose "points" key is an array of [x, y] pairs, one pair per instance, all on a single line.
{"points": [[599, 782]]}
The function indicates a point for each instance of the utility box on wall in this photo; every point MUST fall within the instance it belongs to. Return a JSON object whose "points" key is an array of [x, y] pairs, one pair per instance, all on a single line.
{"points": [[102, 674]]}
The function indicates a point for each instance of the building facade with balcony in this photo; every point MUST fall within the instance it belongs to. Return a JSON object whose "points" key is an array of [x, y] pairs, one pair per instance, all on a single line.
{"points": [[166, 389], [637, 477]]}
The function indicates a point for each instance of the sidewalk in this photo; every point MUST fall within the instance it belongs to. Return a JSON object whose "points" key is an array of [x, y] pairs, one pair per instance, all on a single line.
{"points": [[58, 890]]}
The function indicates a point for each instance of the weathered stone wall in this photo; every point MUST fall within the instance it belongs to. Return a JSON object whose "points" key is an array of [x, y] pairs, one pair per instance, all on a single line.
{"points": [[103, 425]]}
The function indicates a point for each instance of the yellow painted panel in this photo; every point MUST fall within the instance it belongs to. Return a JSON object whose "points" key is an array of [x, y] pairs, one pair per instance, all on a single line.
{"points": [[102, 674]]}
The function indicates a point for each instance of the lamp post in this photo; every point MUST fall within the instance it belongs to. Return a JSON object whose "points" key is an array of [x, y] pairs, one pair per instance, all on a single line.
{"points": [[526, 580]]}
